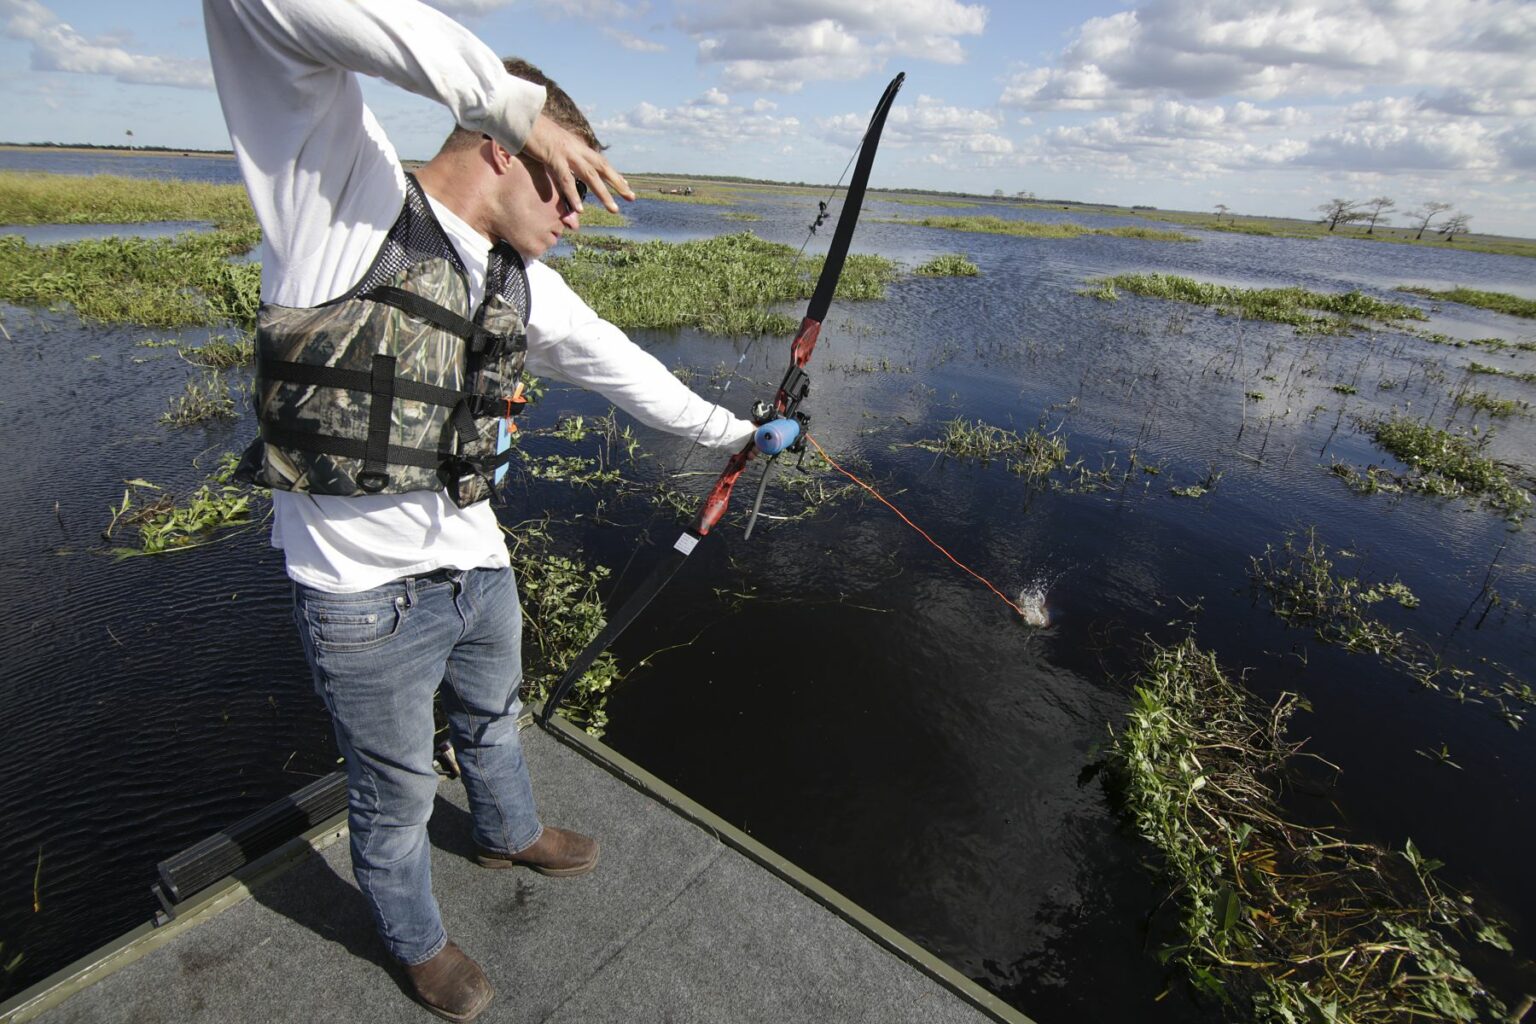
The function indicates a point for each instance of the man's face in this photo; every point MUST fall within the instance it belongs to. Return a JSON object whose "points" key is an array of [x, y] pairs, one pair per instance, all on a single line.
{"points": [[529, 214]]}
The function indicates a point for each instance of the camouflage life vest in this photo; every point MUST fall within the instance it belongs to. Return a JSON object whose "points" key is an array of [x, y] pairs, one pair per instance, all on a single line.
{"points": [[397, 385]]}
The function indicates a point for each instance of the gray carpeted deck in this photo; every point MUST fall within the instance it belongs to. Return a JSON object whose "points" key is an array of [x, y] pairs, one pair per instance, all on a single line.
{"points": [[673, 926]]}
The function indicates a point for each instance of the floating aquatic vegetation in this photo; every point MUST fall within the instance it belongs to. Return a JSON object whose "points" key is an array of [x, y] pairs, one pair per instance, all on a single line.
{"points": [[594, 216], [948, 265], [159, 282], [562, 612], [1034, 453], [1307, 311], [1285, 923], [721, 285], [219, 353], [204, 398], [992, 225], [1450, 464], [742, 215], [165, 523], [1494, 371], [1306, 590], [1200, 488], [1493, 405], [1499, 302]]}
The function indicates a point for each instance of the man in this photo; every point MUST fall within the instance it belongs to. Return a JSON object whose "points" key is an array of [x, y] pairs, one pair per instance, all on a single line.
{"points": [[397, 314]]}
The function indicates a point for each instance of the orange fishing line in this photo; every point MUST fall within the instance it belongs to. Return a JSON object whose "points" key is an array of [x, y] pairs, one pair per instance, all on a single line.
{"points": [[1001, 596]]}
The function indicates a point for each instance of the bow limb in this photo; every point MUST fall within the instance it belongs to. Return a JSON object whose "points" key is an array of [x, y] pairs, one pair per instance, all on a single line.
{"points": [[791, 391]]}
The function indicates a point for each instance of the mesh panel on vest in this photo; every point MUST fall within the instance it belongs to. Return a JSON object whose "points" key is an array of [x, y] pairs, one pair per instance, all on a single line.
{"points": [[415, 238]]}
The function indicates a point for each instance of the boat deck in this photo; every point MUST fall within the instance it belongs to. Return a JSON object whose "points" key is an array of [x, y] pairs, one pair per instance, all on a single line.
{"points": [[685, 919]]}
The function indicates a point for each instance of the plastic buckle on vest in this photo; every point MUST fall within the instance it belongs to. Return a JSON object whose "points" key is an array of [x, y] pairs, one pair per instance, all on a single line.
{"points": [[372, 481]]}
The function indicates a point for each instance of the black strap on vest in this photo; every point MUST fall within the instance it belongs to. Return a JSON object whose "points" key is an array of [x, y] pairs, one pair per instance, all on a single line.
{"points": [[479, 341], [381, 410]]}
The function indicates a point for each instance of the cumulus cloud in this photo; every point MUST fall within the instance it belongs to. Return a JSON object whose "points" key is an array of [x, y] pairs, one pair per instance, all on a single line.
{"points": [[1202, 49], [1400, 147], [630, 41], [703, 124], [945, 135], [56, 46], [779, 47]]}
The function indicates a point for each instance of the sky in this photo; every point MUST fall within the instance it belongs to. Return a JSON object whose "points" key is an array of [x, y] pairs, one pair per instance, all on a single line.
{"points": [[1264, 106]]}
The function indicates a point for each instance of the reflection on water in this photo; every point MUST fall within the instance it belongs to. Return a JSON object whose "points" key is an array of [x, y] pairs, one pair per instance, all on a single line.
{"points": [[55, 234], [834, 686]]}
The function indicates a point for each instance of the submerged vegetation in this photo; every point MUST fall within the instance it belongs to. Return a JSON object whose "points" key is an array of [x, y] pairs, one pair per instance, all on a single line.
{"points": [[721, 285], [993, 225], [1034, 453], [204, 398], [1499, 302], [1307, 311], [1284, 922], [948, 265]]}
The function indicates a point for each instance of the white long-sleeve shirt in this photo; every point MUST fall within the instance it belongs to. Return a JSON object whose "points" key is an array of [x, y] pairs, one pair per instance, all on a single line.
{"points": [[327, 185]]}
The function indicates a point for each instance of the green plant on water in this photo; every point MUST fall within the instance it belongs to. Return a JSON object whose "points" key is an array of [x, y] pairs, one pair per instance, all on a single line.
{"points": [[165, 524], [204, 398], [948, 265], [1499, 302], [1444, 463], [1346, 389], [698, 198], [39, 198], [572, 469], [1493, 405], [958, 204], [1200, 488], [219, 353], [992, 225], [159, 282], [1254, 396], [1033, 454], [1286, 923], [1494, 371], [594, 216], [882, 365], [721, 285], [742, 215], [1103, 291], [1307, 311], [1374, 480]]}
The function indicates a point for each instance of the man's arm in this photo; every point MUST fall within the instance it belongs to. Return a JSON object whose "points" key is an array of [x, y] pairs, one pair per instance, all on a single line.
{"points": [[568, 341]]}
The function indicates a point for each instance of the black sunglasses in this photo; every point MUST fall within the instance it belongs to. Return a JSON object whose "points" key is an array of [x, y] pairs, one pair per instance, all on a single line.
{"points": [[581, 190]]}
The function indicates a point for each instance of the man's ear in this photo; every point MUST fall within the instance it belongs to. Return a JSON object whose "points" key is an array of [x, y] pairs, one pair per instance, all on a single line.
{"points": [[495, 154]]}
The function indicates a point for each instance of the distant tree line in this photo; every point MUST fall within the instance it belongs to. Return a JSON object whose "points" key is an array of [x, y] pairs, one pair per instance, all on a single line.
{"points": [[1374, 211]]}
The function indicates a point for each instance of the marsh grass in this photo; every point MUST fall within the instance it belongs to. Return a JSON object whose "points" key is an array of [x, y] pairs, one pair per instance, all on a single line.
{"points": [[219, 353], [204, 398], [1494, 371], [594, 216], [1284, 922], [700, 198], [37, 198], [1493, 405], [1035, 453], [948, 265], [957, 204], [993, 225], [159, 282], [742, 215], [1446, 463], [721, 285], [164, 523], [1499, 302], [1307, 311]]}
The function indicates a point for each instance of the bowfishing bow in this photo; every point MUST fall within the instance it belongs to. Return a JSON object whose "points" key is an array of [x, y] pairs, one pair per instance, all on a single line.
{"points": [[781, 423]]}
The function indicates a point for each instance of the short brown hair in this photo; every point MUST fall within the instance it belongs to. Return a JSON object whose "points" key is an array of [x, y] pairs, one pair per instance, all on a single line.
{"points": [[558, 107]]}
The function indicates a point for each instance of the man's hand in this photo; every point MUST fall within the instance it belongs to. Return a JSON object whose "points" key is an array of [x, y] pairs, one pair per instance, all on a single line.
{"points": [[568, 158]]}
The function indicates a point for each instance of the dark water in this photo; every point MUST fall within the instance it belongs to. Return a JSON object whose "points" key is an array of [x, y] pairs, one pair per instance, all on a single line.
{"points": [[834, 686]]}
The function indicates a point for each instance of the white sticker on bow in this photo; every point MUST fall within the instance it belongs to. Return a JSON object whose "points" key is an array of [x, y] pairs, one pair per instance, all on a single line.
{"points": [[686, 543]]}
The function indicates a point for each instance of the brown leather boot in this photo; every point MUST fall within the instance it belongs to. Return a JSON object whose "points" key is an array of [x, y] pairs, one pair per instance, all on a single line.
{"points": [[451, 985], [558, 852]]}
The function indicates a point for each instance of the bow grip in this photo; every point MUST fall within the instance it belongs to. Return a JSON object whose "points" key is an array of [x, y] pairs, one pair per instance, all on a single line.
{"points": [[773, 437], [720, 495]]}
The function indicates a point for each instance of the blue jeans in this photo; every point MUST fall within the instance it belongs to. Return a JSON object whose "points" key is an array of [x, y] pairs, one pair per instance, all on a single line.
{"points": [[378, 657]]}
